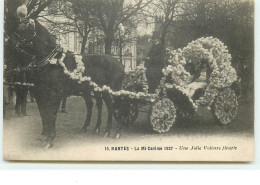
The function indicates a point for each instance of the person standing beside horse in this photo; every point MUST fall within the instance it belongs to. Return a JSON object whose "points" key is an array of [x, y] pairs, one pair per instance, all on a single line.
{"points": [[154, 63], [27, 30]]}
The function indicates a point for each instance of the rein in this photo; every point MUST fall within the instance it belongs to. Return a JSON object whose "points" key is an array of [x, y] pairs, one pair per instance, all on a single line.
{"points": [[47, 59], [33, 64]]}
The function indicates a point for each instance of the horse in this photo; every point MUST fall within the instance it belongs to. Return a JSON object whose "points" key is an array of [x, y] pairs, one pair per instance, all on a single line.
{"points": [[50, 81], [103, 70]]}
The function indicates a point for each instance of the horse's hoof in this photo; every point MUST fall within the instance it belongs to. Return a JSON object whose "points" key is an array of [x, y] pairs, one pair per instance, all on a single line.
{"points": [[42, 138], [106, 134], [18, 115], [96, 131], [63, 111], [83, 130], [48, 144], [117, 136]]}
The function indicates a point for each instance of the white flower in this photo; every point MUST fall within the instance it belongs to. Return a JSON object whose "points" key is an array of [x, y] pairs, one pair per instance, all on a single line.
{"points": [[66, 72], [31, 21], [53, 61]]}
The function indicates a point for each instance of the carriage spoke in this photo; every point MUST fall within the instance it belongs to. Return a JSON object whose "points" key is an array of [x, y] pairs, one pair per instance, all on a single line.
{"points": [[225, 106], [126, 112], [162, 115]]}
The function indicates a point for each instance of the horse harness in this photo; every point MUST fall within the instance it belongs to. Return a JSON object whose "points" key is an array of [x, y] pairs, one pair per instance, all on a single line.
{"points": [[33, 65]]}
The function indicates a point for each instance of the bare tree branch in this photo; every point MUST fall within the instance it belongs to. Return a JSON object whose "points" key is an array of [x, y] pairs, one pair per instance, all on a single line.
{"points": [[40, 8]]}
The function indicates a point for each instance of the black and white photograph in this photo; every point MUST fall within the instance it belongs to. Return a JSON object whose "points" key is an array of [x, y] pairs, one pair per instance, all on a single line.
{"points": [[128, 80]]}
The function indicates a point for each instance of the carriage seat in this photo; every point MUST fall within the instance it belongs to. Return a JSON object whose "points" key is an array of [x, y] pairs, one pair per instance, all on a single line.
{"points": [[200, 83], [192, 87]]}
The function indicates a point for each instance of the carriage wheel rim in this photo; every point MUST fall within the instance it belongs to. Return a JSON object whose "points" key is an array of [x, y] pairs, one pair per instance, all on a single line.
{"points": [[226, 106], [162, 115], [126, 117]]}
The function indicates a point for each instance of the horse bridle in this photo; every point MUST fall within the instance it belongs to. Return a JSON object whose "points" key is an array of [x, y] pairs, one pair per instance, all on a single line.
{"points": [[33, 64]]}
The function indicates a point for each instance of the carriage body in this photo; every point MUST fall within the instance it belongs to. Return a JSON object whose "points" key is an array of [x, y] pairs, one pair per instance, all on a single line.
{"points": [[180, 91]]}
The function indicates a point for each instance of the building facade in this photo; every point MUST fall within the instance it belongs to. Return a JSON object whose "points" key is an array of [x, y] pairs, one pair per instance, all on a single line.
{"points": [[71, 40]]}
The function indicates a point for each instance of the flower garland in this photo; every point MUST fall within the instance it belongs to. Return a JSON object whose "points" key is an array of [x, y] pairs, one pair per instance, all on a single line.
{"points": [[16, 83], [175, 75], [76, 74], [24, 84], [136, 79], [20, 84], [219, 60]]}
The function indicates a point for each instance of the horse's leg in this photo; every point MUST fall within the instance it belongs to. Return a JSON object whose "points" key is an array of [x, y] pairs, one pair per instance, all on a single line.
{"points": [[31, 95], [5, 100], [50, 110], [109, 104], [10, 94], [40, 107], [99, 104], [24, 92], [40, 100], [89, 103], [63, 103], [118, 126], [18, 101], [48, 101], [117, 84]]}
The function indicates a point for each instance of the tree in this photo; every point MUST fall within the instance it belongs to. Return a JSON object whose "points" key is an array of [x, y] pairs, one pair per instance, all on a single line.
{"points": [[113, 12], [143, 43], [164, 14], [34, 8], [124, 36], [75, 16], [231, 21]]}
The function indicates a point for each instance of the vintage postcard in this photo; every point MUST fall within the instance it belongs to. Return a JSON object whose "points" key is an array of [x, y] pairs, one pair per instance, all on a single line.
{"points": [[128, 80]]}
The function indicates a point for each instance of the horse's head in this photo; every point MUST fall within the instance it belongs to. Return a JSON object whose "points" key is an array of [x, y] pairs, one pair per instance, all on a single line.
{"points": [[28, 38], [43, 42]]}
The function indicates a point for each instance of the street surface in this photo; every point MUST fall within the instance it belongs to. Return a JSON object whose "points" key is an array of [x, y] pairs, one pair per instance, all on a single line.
{"points": [[21, 133]]}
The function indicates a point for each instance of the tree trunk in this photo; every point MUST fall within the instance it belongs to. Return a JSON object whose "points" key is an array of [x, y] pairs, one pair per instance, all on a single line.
{"points": [[108, 46], [84, 42], [163, 41], [164, 34], [121, 52], [109, 41]]}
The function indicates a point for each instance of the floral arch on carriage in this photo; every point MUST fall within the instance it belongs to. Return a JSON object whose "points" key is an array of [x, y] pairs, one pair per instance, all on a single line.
{"points": [[200, 74]]}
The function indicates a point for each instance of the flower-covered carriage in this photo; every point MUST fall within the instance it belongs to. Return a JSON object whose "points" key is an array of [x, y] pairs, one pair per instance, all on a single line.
{"points": [[200, 74]]}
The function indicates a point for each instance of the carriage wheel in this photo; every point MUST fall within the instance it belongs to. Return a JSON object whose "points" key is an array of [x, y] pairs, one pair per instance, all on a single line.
{"points": [[225, 106], [126, 112], [162, 115]]}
